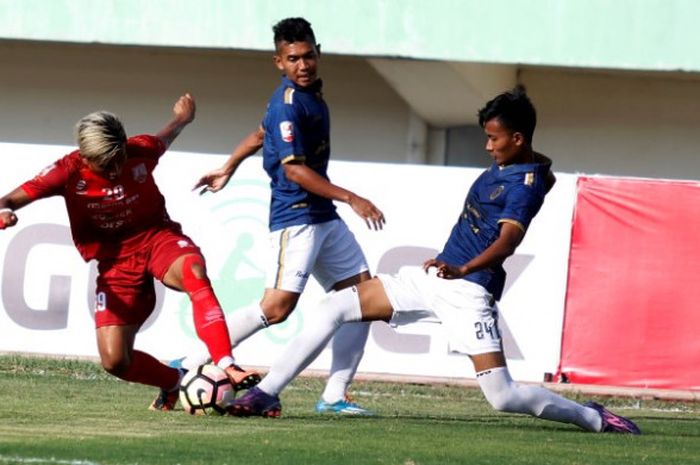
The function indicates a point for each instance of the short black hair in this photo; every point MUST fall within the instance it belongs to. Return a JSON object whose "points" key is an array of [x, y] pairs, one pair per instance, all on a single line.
{"points": [[514, 111], [293, 30]]}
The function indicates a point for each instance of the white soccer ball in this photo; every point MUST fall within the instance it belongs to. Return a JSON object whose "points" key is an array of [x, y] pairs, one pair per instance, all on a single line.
{"points": [[206, 390]]}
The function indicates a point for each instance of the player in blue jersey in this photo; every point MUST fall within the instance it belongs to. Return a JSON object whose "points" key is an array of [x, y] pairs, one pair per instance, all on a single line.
{"points": [[462, 284], [308, 236]]}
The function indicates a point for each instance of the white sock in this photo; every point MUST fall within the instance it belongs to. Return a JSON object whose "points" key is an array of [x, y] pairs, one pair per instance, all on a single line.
{"points": [[195, 359], [348, 347], [507, 396], [336, 309], [244, 323], [241, 325], [225, 362]]}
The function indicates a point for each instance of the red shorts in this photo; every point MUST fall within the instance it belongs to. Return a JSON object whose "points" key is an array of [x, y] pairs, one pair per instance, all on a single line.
{"points": [[125, 293]]}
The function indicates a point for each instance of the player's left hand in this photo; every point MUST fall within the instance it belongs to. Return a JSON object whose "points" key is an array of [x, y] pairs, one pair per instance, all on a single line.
{"points": [[185, 108], [445, 270], [374, 218]]}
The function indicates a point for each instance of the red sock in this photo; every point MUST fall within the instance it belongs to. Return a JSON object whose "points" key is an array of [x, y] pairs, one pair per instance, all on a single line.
{"points": [[145, 369], [209, 321]]}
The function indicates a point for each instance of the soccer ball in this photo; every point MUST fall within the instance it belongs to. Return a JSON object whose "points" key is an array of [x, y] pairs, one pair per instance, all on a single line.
{"points": [[206, 390]]}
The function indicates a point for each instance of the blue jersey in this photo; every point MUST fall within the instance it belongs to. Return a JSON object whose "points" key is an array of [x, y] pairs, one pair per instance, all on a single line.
{"points": [[512, 194], [297, 128]]}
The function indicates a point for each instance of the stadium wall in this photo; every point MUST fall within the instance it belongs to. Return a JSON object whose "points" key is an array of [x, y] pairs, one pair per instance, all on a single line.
{"points": [[45, 88], [614, 34], [608, 122]]}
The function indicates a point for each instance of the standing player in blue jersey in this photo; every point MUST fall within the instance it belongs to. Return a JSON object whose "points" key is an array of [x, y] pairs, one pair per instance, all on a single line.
{"points": [[308, 236], [462, 284]]}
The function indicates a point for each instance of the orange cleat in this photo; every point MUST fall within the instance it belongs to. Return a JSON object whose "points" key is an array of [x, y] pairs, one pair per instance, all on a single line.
{"points": [[240, 378]]}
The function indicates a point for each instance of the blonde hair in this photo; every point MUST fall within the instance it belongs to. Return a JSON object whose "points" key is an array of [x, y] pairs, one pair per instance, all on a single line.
{"points": [[101, 138]]}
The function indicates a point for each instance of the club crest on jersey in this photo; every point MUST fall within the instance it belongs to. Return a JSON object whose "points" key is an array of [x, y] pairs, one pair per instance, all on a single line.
{"points": [[139, 173], [80, 187], [496, 192], [529, 179], [183, 243], [287, 130]]}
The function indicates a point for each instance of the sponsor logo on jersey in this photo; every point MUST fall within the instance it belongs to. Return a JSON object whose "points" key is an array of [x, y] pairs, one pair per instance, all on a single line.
{"points": [[301, 274], [470, 208], [496, 192], [287, 130], [139, 173]]}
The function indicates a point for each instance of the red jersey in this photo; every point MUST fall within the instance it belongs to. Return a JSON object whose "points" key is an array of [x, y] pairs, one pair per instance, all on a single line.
{"points": [[109, 216]]}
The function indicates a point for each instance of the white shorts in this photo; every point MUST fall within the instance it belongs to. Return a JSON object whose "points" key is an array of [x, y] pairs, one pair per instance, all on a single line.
{"points": [[328, 251], [466, 310]]}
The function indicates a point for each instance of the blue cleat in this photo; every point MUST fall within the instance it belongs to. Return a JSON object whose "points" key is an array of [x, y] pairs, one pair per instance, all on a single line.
{"points": [[342, 407], [613, 423], [177, 363], [256, 403]]}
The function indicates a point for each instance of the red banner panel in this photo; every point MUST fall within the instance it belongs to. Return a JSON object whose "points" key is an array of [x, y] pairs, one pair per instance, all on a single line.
{"points": [[632, 315]]}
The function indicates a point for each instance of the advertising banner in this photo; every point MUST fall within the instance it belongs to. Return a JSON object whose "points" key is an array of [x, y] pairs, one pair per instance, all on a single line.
{"points": [[631, 305], [47, 291]]}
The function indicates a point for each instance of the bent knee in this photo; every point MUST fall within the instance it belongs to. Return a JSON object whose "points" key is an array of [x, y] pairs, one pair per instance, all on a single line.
{"points": [[514, 399], [115, 366], [500, 403]]}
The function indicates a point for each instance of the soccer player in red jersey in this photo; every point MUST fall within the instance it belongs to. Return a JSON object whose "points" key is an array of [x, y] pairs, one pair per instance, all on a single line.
{"points": [[118, 217]]}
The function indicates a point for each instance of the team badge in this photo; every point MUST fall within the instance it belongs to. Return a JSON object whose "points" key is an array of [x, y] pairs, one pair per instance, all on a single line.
{"points": [[496, 192], [80, 187], [287, 130], [183, 243], [529, 179], [139, 173]]}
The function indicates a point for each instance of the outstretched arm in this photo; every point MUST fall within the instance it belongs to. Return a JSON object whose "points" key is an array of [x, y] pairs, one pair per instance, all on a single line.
{"points": [[15, 200], [495, 254], [183, 114], [217, 179], [317, 184]]}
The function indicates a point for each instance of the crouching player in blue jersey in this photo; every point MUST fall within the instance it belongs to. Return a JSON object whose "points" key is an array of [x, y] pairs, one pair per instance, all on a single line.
{"points": [[308, 236], [462, 284]]}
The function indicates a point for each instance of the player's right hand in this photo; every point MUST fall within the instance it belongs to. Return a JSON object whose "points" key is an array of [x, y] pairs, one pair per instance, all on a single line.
{"points": [[7, 219], [444, 270], [213, 181]]}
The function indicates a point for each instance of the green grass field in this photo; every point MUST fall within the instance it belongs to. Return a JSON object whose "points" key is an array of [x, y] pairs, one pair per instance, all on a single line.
{"points": [[70, 412]]}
